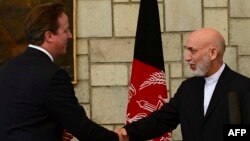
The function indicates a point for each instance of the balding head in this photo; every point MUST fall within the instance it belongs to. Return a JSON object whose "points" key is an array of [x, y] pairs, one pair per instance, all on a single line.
{"points": [[205, 49], [209, 37]]}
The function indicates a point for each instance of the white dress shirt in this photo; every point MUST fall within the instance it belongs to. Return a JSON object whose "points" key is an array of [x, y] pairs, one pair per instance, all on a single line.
{"points": [[210, 83], [43, 50]]}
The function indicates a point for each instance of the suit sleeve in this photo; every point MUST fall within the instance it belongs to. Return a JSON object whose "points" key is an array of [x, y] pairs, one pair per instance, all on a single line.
{"points": [[64, 107], [159, 122], [245, 105]]}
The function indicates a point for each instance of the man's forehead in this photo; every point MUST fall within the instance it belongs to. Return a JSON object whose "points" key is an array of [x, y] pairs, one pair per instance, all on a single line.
{"points": [[190, 42], [189, 47]]}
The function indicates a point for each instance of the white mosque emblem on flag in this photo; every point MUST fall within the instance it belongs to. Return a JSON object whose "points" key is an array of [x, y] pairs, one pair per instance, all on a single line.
{"points": [[168, 138], [150, 107], [165, 100], [136, 117], [155, 78], [146, 106], [132, 91]]}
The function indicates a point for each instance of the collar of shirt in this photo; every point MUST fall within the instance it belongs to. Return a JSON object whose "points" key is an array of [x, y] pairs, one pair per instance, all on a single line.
{"points": [[214, 78], [210, 85], [43, 50]]}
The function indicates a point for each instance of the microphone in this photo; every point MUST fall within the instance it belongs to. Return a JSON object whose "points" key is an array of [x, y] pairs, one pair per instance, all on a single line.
{"points": [[234, 108]]}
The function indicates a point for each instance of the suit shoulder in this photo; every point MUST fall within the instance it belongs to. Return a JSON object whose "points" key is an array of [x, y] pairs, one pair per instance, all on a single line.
{"points": [[194, 79], [240, 77]]}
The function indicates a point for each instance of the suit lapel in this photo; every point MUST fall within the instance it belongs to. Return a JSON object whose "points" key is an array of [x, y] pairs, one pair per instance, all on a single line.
{"points": [[220, 91], [200, 96], [194, 101]]}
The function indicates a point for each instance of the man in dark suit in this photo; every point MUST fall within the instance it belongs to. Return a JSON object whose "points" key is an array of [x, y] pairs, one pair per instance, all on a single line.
{"points": [[37, 99], [201, 103]]}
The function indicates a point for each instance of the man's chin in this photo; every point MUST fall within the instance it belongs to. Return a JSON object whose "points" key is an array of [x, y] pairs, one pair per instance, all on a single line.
{"points": [[195, 73]]}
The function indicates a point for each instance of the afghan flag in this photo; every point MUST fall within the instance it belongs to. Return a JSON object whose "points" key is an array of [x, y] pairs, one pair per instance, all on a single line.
{"points": [[147, 90]]}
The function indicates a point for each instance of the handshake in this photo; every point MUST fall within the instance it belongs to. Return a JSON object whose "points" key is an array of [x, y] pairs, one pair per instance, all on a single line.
{"points": [[122, 133]]}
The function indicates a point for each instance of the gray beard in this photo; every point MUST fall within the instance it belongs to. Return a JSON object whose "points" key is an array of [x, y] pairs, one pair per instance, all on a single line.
{"points": [[203, 67]]}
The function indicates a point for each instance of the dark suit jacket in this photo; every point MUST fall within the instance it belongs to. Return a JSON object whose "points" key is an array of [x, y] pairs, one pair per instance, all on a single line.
{"points": [[37, 101], [186, 109]]}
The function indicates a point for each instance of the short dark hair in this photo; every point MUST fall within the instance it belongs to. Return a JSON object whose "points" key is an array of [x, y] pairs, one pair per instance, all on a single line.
{"points": [[41, 19]]}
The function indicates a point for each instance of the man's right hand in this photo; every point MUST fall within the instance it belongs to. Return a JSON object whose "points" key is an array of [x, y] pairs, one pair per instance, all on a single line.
{"points": [[122, 133], [67, 136]]}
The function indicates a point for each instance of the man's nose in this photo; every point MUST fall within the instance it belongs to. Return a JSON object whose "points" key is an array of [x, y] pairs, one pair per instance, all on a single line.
{"points": [[70, 34], [187, 56]]}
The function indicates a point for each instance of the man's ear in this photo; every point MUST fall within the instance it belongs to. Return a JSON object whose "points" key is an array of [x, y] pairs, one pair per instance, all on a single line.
{"points": [[48, 36], [213, 53]]}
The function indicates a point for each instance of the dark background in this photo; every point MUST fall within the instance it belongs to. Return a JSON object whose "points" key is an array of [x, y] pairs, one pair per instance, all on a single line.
{"points": [[12, 37]]}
